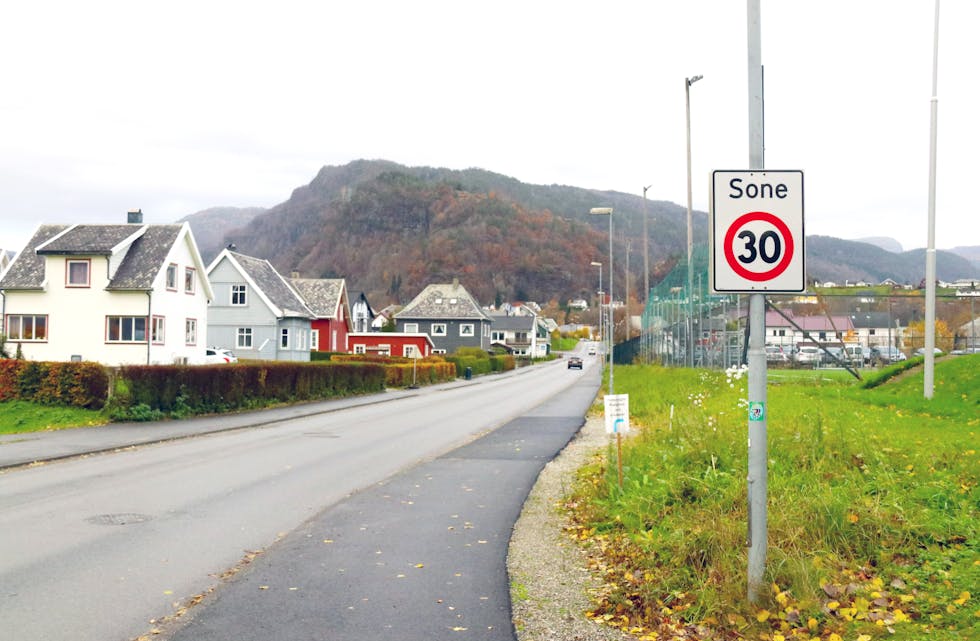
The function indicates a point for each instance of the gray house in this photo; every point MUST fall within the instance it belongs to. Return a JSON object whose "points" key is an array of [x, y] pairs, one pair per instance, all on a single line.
{"points": [[255, 311], [520, 334], [449, 315]]}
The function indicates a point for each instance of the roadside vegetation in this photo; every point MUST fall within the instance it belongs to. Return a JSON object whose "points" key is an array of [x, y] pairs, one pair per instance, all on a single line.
{"points": [[24, 416], [873, 508]]}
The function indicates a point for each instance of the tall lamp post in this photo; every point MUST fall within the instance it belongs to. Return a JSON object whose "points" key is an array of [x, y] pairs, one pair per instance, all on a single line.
{"points": [[690, 230], [599, 265], [611, 327]]}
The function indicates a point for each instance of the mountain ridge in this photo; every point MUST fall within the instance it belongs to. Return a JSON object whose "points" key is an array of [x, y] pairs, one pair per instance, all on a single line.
{"points": [[391, 229]]}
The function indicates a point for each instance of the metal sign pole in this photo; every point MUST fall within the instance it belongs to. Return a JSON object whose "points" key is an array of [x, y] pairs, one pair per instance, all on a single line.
{"points": [[758, 532]]}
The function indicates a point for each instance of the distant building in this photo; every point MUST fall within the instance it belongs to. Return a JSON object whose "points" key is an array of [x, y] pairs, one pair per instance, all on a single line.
{"points": [[449, 315]]}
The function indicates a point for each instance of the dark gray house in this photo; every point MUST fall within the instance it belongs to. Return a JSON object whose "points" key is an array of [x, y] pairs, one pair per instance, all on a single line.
{"points": [[449, 315]]}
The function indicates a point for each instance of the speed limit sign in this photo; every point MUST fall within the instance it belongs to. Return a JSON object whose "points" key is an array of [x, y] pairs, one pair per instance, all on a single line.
{"points": [[757, 242]]}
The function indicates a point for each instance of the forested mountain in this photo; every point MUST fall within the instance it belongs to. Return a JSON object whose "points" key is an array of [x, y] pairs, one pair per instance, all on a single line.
{"points": [[390, 230]]}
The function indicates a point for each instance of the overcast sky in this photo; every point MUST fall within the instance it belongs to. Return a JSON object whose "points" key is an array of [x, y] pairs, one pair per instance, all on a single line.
{"points": [[179, 106]]}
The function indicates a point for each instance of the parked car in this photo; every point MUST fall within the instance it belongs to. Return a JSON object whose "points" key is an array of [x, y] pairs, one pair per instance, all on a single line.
{"points": [[574, 362], [886, 355], [922, 351], [219, 355], [808, 355], [775, 354]]}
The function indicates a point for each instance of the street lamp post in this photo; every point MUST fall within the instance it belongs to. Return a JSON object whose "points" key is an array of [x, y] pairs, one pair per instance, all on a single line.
{"points": [[607, 211], [599, 265], [690, 231]]}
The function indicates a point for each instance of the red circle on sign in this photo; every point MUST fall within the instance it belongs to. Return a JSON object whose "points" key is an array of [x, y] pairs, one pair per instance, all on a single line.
{"points": [[751, 217]]}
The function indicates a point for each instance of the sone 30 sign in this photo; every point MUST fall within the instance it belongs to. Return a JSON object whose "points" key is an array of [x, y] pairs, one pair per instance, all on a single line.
{"points": [[757, 242]]}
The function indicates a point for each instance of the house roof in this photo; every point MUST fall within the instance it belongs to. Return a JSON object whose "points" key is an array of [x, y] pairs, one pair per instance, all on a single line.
{"points": [[816, 323], [512, 323], [145, 258], [870, 320], [322, 295], [449, 301], [86, 240], [144, 249], [27, 270], [269, 283]]}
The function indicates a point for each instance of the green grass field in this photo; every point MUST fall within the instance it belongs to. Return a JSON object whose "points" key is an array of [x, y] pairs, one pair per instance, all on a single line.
{"points": [[21, 416], [873, 507]]}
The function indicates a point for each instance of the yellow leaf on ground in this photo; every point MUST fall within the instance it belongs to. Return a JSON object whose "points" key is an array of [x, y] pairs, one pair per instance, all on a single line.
{"points": [[762, 615]]}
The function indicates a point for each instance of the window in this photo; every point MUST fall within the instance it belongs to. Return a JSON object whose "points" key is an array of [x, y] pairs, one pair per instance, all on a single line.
{"points": [[315, 340], [77, 273], [284, 338], [125, 329], [359, 349], [22, 327], [300, 340], [172, 277], [238, 295], [190, 331], [438, 351], [243, 338], [157, 327], [497, 337], [466, 329], [411, 328], [411, 351], [438, 329], [189, 280], [384, 349]]}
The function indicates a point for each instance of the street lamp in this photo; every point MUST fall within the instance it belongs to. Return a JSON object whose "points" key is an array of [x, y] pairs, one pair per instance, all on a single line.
{"points": [[690, 232], [607, 211], [599, 265]]}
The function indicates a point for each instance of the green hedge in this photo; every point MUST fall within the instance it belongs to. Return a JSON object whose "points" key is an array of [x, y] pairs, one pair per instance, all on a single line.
{"points": [[149, 391], [82, 384]]}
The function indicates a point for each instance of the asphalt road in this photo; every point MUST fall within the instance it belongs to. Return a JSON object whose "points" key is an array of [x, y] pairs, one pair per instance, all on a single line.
{"points": [[372, 525]]}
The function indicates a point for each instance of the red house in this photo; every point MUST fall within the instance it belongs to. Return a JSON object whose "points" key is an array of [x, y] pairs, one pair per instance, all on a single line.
{"points": [[327, 298], [390, 344]]}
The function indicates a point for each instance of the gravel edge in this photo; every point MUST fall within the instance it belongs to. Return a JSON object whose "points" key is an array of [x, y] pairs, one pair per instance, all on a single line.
{"points": [[549, 576]]}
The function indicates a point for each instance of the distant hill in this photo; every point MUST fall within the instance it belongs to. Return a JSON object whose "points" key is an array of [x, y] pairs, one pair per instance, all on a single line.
{"points": [[211, 225], [888, 244], [972, 254], [391, 229]]}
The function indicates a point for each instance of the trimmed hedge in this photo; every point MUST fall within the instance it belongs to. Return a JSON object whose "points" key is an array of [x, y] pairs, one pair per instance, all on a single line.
{"points": [[82, 384], [178, 390]]}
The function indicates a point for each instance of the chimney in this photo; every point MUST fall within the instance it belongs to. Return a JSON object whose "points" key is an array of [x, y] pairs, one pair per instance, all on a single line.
{"points": [[455, 283], [294, 274], [134, 217]]}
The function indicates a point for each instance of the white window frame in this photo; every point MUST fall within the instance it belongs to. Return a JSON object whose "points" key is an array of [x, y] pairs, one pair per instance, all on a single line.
{"points": [[124, 325], [239, 295], [69, 282], [411, 328], [190, 331], [438, 329], [18, 335], [360, 349], [284, 338], [411, 351], [498, 336], [190, 281], [158, 327], [172, 277], [384, 349], [315, 340], [243, 338], [463, 327]]}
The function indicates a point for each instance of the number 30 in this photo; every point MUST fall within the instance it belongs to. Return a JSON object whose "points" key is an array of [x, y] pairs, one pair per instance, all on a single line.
{"points": [[770, 247]]}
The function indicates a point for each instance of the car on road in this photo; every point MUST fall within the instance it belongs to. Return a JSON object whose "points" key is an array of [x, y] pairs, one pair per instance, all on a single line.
{"points": [[574, 362], [591, 350], [218, 355]]}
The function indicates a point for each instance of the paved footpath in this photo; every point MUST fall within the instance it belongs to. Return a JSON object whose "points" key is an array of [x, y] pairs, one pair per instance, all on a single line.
{"points": [[418, 557]]}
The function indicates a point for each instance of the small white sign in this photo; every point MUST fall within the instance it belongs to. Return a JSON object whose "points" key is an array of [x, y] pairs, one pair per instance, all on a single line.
{"points": [[617, 410], [757, 237]]}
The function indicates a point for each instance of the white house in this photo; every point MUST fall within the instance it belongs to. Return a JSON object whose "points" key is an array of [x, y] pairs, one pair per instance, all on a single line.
{"points": [[115, 294]]}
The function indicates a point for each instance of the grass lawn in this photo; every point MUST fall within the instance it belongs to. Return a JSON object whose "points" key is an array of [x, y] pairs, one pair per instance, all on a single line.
{"points": [[21, 416], [873, 507]]}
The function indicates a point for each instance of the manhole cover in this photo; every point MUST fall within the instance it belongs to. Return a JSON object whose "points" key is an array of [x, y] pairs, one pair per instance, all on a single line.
{"points": [[118, 519]]}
